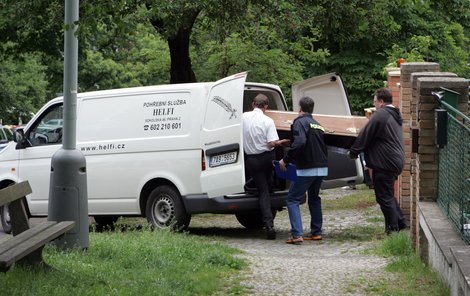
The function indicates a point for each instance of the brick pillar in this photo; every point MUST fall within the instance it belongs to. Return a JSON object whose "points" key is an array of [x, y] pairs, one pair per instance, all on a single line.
{"points": [[393, 83], [407, 179], [415, 109]]}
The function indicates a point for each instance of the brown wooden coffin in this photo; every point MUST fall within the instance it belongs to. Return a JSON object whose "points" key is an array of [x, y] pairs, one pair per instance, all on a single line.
{"points": [[333, 124]]}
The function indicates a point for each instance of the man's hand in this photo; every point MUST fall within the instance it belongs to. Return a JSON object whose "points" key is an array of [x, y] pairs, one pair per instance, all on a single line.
{"points": [[283, 142], [352, 155], [282, 165]]}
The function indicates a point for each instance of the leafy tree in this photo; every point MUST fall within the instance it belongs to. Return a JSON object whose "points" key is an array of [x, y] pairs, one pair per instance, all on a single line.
{"points": [[272, 51], [22, 87], [174, 20], [138, 59], [122, 43], [362, 37]]}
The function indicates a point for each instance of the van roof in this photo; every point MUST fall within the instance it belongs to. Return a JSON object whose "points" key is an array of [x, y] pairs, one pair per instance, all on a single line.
{"points": [[160, 87]]}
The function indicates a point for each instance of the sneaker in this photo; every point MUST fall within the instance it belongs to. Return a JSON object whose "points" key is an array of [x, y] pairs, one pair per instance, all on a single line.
{"points": [[270, 233], [294, 240], [312, 237]]}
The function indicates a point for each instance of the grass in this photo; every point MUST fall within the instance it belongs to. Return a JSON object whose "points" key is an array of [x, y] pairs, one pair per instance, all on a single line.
{"points": [[361, 198], [363, 233], [411, 275], [132, 263], [145, 262], [405, 274]]}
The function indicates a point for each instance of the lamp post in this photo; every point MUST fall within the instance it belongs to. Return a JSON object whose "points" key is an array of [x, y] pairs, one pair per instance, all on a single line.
{"points": [[68, 200]]}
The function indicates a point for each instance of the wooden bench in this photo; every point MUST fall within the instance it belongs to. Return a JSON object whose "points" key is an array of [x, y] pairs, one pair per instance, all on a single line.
{"points": [[25, 247]]}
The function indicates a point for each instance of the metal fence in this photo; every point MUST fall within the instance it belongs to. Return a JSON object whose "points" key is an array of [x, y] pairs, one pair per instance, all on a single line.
{"points": [[454, 165]]}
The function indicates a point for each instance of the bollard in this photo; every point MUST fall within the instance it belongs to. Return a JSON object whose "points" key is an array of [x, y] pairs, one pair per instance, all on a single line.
{"points": [[68, 199]]}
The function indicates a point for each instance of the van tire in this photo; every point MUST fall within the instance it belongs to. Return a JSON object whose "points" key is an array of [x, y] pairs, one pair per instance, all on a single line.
{"points": [[5, 219], [165, 209], [252, 220]]}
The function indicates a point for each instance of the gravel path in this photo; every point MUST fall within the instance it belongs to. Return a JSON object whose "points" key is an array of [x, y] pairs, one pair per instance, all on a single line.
{"points": [[334, 266]]}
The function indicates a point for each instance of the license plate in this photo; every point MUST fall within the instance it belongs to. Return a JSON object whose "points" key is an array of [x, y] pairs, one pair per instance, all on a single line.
{"points": [[221, 159]]}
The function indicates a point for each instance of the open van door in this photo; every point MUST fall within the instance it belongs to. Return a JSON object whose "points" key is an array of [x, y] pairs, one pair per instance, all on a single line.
{"points": [[331, 100], [327, 91], [221, 138]]}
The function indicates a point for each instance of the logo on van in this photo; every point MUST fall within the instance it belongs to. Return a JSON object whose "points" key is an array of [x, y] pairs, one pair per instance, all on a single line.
{"points": [[226, 105]]}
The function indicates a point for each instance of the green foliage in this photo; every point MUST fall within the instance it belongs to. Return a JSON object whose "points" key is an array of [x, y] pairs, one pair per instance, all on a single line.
{"points": [[22, 87], [130, 263], [239, 54], [138, 59], [125, 43]]}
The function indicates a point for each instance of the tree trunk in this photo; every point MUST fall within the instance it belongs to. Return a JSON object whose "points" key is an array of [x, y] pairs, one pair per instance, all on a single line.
{"points": [[181, 70]]}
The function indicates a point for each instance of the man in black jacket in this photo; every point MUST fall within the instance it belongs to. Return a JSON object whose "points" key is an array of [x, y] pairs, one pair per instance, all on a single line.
{"points": [[309, 153], [381, 140]]}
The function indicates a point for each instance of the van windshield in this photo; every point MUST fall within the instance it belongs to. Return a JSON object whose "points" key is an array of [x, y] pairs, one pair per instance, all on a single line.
{"points": [[48, 130]]}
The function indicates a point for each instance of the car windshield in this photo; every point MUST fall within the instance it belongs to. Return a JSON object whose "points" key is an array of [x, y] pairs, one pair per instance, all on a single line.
{"points": [[6, 134]]}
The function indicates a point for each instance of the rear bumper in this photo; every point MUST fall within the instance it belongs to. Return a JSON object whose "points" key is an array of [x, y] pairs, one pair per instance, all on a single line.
{"points": [[230, 204]]}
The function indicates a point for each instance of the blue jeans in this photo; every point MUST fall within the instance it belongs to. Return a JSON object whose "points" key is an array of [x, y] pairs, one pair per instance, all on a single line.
{"points": [[296, 193]]}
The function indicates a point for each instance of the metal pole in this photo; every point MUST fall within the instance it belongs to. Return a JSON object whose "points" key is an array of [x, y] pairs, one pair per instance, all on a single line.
{"points": [[70, 74], [68, 200]]}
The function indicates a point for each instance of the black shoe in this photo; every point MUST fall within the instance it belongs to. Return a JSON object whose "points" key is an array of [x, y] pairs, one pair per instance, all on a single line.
{"points": [[270, 233], [403, 227], [389, 230]]}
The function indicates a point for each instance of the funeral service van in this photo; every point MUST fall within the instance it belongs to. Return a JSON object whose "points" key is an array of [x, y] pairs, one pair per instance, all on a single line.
{"points": [[165, 152]]}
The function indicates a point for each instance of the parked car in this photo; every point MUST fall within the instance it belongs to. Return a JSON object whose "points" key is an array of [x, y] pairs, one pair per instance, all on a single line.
{"points": [[6, 135], [170, 151]]}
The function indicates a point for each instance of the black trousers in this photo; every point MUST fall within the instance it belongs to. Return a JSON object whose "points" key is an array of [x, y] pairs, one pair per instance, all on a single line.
{"points": [[384, 194], [260, 167]]}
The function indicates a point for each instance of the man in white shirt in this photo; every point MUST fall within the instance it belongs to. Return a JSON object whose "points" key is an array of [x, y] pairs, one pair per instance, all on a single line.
{"points": [[260, 138]]}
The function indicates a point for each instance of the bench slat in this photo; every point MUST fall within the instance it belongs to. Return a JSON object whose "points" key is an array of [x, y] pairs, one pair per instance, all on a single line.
{"points": [[13, 192], [30, 240], [24, 236]]}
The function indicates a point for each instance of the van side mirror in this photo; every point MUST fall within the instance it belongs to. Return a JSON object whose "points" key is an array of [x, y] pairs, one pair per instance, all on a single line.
{"points": [[18, 134], [19, 138]]}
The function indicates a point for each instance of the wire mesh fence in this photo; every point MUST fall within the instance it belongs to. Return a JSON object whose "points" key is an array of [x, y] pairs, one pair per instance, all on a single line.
{"points": [[454, 172]]}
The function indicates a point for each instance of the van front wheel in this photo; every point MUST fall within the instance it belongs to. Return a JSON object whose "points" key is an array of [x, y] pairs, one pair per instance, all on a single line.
{"points": [[5, 219], [165, 209]]}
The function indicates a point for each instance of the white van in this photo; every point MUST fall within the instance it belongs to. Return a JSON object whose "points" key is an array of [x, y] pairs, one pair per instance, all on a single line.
{"points": [[164, 152]]}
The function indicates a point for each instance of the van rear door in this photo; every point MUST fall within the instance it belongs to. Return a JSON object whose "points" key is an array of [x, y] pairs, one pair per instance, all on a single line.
{"points": [[221, 138], [331, 100]]}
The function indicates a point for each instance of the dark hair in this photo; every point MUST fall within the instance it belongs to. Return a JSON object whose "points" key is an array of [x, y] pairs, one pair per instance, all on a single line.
{"points": [[260, 100], [306, 104], [384, 94]]}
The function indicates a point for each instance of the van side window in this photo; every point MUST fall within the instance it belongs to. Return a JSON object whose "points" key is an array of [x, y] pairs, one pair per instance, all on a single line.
{"points": [[273, 97], [48, 130]]}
